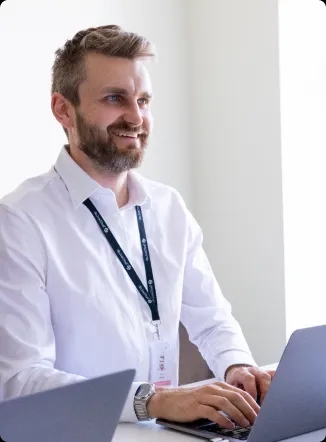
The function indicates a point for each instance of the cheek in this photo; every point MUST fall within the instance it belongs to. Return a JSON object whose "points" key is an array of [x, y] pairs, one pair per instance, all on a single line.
{"points": [[103, 117], [148, 121]]}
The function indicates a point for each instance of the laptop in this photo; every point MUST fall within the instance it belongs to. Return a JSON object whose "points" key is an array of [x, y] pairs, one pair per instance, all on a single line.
{"points": [[85, 411], [296, 400]]}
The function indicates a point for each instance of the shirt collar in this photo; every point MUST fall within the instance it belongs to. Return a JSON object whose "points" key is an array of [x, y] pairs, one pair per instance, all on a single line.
{"points": [[81, 186]]}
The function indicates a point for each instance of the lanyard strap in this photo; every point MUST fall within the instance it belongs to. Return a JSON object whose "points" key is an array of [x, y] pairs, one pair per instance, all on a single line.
{"points": [[149, 295]]}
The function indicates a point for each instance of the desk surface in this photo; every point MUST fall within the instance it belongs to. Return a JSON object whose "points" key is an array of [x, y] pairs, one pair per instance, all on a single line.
{"points": [[151, 432]]}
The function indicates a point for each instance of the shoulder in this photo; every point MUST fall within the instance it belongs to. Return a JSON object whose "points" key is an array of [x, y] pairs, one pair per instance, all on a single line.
{"points": [[169, 205], [162, 193], [30, 194]]}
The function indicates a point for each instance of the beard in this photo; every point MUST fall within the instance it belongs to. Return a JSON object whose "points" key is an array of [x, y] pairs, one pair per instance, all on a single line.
{"points": [[100, 147]]}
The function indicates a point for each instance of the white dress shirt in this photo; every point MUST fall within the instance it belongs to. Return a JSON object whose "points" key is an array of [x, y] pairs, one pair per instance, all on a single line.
{"points": [[69, 311]]}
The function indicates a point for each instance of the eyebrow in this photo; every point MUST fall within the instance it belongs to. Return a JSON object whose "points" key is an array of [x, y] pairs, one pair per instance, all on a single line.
{"points": [[123, 91]]}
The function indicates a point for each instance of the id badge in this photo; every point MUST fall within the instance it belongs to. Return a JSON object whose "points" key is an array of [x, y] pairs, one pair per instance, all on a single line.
{"points": [[161, 363]]}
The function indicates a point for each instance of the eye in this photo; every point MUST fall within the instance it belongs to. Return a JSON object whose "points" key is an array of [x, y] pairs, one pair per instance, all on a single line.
{"points": [[114, 98], [143, 102]]}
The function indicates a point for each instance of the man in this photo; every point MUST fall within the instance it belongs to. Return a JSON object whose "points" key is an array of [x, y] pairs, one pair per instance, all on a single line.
{"points": [[98, 265]]}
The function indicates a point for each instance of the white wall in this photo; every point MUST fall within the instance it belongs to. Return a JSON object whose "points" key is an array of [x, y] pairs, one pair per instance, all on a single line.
{"points": [[30, 32], [217, 135], [303, 87], [235, 115]]}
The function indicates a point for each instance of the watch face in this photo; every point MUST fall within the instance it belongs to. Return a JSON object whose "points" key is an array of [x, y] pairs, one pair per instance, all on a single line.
{"points": [[144, 390]]}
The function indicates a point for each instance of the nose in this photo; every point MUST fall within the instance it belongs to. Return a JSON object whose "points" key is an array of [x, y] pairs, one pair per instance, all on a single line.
{"points": [[133, 115]]}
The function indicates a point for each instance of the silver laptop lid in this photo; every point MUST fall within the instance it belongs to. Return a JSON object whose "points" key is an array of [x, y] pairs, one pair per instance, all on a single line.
{"points": [[296, 401], [85, 411]]}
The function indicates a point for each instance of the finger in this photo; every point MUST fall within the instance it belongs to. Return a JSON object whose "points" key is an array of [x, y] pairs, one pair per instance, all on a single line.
{"points": [[248, 382], [271, 373], [239, 398], [222, 403], [244, 402], [264, 379], [207, 412], [247, 397]]}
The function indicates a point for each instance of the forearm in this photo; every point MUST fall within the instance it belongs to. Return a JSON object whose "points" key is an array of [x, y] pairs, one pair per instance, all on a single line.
{"points": [[208, 318], [35, 379], [39, 378], [219, 339]]}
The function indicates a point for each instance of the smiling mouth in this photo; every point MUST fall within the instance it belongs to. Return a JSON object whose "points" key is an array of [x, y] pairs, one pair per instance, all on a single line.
{"points": [[126, 134]]}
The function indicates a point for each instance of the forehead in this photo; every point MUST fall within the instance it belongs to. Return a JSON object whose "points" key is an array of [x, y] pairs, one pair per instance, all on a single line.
{"points": [[104, 72]]}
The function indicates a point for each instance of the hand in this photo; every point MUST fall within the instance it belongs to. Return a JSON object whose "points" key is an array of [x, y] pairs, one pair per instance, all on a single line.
{"points": [[253, 380], [187, 405]]}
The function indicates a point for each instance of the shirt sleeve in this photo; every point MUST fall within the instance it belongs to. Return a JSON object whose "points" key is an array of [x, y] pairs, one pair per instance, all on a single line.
{"points": [[27, 344], [27, 341], [206, 313]]}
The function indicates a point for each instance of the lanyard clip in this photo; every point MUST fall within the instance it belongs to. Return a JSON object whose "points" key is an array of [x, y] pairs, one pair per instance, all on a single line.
{"points": [[157, 328]]}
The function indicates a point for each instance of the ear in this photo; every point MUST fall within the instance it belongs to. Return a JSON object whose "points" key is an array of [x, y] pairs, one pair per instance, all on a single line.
{"points": [[63, 110]]}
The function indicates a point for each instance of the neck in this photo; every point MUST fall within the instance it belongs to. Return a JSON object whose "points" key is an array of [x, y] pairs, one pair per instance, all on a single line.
{"points": [[117, 182]]}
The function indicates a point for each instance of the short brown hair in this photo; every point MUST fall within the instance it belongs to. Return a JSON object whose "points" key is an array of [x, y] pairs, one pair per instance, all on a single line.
{"points": [[68, 70]]}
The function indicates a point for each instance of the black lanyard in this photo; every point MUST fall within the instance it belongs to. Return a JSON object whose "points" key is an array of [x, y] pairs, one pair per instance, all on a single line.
{"points": [[148, 294]]}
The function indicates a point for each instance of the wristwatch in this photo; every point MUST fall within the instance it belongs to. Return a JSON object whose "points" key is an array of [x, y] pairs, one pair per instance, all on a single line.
{"points": [[142, 396]]}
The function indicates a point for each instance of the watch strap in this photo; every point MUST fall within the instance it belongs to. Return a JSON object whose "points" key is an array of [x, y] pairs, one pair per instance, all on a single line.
{"points": [[141, 401]]}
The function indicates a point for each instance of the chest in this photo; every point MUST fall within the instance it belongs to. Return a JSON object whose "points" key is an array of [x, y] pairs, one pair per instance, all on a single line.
{"points": [[86, 279]]}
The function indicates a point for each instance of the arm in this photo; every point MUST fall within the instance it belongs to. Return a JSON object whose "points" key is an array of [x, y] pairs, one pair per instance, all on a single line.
{"points": [[206, 314], [27, 341], [27, 344]]}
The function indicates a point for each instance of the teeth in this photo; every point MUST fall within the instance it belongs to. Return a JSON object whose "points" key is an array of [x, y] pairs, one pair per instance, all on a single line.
{"points": [[126, 134]]}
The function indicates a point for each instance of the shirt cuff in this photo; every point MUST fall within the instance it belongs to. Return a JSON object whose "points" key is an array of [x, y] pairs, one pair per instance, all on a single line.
{"points": [[128, 413], [232, 358]]}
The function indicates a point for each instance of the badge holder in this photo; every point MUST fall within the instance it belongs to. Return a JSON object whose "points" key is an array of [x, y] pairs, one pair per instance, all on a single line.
{"points": [[160, 360]]}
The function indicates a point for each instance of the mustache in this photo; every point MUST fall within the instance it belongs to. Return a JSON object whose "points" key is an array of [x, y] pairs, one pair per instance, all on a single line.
{"points": [[127, 127]]}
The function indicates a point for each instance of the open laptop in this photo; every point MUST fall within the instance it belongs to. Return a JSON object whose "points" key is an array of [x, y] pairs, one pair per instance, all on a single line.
{"points": [[295, 402], [85, 411]]}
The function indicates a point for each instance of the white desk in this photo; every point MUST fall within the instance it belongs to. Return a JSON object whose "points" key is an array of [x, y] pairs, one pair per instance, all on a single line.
{"points": [[151, 432]]}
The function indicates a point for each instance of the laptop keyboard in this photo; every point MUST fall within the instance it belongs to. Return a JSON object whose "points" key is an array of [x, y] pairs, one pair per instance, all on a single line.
{"points": [[239, 433]]}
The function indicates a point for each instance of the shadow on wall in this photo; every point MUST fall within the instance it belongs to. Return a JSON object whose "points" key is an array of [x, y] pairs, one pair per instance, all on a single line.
{"points": [[193, 368]]}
